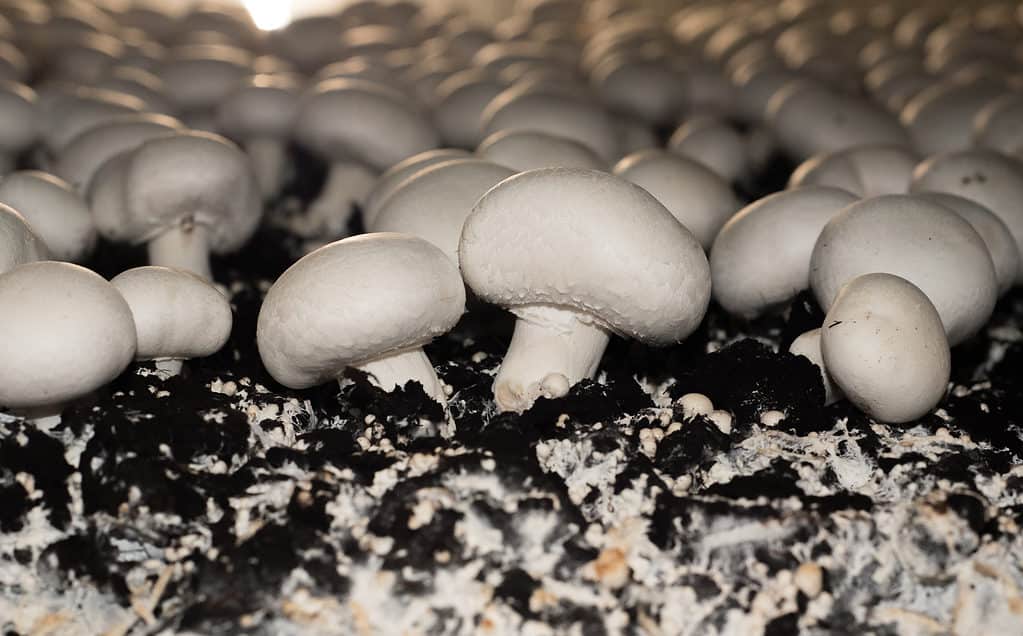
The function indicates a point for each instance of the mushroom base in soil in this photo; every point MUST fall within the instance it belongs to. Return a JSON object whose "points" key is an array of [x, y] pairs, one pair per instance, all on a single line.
{"points": [[396, 369], [552, 349], [183, 247]]}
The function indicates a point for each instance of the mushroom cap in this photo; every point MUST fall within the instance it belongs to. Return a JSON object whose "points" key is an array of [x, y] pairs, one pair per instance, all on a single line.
{"points": [[71, 114], [697, 196], [355, 118], [921, 241], [589, 241], [190, 177], [85, 154], [19, 242], [648, 89], [866, 171], [761, 257], [178, 315], [393, 177], [265, 106], [714, 143], [884, 345], [106, 200], [198, 77], [991, 179], [55, 211], [523, 150], [940, 117], [65, 332], [434, 202], [999, 125], [460, 102], [19, 126], [355, 300], [993, 230]]}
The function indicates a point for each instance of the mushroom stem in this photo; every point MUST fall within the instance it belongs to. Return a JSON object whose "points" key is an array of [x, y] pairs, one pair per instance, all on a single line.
{"points": [[168, 368], [185, 246], [395, 369], [347, 184], [42, 417], [551, 350], [268, 157]]}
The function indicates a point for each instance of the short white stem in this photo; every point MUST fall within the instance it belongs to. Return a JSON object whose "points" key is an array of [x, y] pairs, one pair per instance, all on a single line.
{"points": [[167, 368], [268, 157], [551, 350], [42, 417], [184, 247], [347, 184], [394, 370]]}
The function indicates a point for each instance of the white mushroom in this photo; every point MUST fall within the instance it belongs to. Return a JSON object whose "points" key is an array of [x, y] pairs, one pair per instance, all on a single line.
{"points": [[19, 127], [55, 211], [921, 241], [369, 302], [714, 143], [19, 243], [460, 102], [999, 125], [697, 196], [64, 331], [761, 257], [940, 117], [808, 345], [577, 255], [866, 171], [884, 345], [178, 316], [394, 176], [523, 150]]}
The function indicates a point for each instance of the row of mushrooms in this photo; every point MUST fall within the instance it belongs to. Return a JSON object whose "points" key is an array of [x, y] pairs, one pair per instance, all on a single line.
{"points": [[578, 163]]}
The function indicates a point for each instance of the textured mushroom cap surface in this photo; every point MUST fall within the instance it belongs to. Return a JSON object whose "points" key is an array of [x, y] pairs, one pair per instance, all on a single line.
{"points": [[697, 196], [389, 181], [191, 177], [884, 345], [56, 212], [355, 300], [991, 179], [761, 257], [19, 126], [590, 241], [354, 118], [434, 203], [19, 243], [523, 150], [85, 154], [866, 171], [64, 331], [178, 315], [264, 106], [916, 239]]}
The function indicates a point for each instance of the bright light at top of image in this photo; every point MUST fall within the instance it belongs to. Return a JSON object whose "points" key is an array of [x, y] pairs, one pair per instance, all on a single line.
{"points": [[269, 14]]}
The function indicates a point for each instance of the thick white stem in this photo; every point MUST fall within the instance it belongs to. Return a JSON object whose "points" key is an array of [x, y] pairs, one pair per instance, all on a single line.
{"points": [[347, 184], [42, 417], [551, 350], [184, 247], [167, 368], [268, 158], [394, 370]]}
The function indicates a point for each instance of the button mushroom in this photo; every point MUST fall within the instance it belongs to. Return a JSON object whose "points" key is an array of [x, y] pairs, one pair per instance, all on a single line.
{"points": [[523, 150], [369, 302], [866, 171], [19, 128], [56, 212], [18, 241], [577, 255], [389, 181]]}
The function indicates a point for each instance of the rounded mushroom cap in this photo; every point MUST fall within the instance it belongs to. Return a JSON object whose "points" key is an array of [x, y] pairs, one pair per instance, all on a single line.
{"points": [[460, 102], [590, 241], [19, 242], [999, 126], [64, 332], [71, 114], [921, 241], [648, 89], [265, 106], [85, 154], [866, 171], [19, 126], [940, 117], [394, 176], [884, 345], [761, 257], [198, 77], [993, 230], [106, 200], [523, 150], [434, 203], [992, 180], [355, 118], [191, 177], [696, 195], [178, 315], [714, 143], [55, 211], [355, 300]]}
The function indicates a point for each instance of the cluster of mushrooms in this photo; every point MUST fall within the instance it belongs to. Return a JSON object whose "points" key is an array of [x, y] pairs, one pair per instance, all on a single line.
{"points": [[575, 162]]}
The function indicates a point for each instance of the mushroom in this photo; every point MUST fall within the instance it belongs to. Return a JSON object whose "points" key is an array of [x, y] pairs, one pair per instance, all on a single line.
{"points": [[369, 302], [19, 243], [55, 211], [921, 241], [178, 316], [19, 128], [648, 89], [64, 331], [713, 143], [394, 176], [940, 117], [460, 102], [761, 257], [577, 255], [198, 78], [884, 345], [998, 126], [72, 111], [808, 345], [184, 195], [696, 195], [523, 150], [866, 171], [434, 203]]}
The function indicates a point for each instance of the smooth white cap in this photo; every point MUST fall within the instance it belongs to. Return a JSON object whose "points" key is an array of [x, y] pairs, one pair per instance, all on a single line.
{"points": [[263, 106], [460, 102], [714, 143], [55, 211], [884, 345], [866, 171], [940, 117], [394, 176], [999, 125], [64, 331], [916, 239], [19, 126], [355, 300], [523, 150], [648, 89], [74, 112], [588, 241], [19, 243]]}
